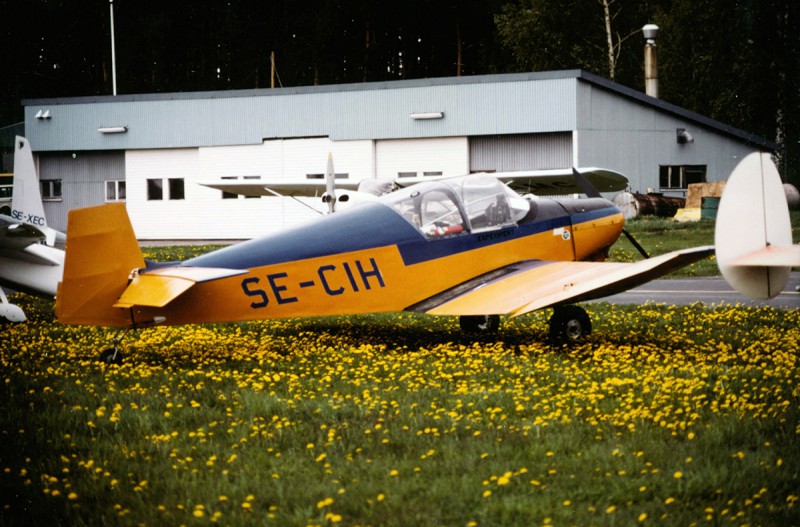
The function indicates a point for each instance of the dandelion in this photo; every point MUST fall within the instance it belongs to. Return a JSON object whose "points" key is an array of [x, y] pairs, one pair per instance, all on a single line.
{"points": [[678, 474]]}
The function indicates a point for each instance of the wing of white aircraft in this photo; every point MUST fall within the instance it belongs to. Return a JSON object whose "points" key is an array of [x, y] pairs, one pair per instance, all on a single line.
{"points": [[29, 258], [305, 188], [539, 182]]}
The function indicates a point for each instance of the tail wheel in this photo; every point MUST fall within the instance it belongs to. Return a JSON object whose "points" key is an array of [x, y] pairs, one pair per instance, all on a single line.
{"points": [[479, 324], [111, 356], [569, 323]]}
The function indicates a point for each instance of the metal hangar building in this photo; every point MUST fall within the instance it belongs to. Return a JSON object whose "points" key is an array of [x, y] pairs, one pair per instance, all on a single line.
{"points": [[151, 150]]}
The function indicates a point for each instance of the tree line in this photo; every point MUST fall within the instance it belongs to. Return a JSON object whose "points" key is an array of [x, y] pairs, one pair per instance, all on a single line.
{"points": [[735, 61]]}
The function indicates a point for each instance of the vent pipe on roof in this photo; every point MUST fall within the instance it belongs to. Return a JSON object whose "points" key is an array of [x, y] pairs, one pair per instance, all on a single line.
{"points": [[650, 32]]}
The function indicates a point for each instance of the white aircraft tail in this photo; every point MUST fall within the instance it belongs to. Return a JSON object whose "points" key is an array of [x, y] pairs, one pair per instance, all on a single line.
{"points": [[26, 199], [753, 235]]}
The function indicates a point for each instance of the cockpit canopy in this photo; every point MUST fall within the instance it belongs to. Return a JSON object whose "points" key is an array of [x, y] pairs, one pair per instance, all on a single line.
{"points": [[448, 207]]}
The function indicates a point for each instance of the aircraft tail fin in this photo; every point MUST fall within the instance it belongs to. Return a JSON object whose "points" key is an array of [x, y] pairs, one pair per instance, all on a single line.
{"points": [[101, 253], [753, 234], [26, 197], [330, 186]]}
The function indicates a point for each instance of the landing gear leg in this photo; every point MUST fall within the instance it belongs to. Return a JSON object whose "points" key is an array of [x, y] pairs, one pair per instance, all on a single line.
{"points": [[114, 355], [479, 324], [569, 324]]}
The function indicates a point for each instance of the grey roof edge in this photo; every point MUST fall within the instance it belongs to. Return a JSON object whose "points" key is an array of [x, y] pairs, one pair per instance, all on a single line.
{"points": [[678, 111], [323, 88], [427, 82]]}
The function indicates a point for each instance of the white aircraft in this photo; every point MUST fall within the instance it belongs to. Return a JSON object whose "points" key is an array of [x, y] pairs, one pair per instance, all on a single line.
{"points": [[31, 254], [334, 191]]}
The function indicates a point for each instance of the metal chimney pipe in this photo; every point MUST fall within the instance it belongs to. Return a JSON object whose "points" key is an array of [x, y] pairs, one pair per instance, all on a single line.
{"points": [[650, 32]]}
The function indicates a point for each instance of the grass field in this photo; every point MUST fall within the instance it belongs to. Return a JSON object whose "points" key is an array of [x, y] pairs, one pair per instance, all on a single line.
{"points": [[666, 416]]}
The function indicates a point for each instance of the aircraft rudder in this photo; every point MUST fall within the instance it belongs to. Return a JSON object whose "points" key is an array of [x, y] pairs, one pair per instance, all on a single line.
{"points": [[26, 197], [753, 229], [101, 252]]}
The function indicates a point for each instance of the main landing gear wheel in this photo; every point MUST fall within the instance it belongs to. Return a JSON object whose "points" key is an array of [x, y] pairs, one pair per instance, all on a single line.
{"points": [[111, 356], [479, 324], [569, 324]]}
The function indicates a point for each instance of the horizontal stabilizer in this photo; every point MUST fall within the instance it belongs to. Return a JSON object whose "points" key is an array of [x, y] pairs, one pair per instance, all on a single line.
{"points": [[16, 235], [528, 286], [160, 287], [771, 256]]}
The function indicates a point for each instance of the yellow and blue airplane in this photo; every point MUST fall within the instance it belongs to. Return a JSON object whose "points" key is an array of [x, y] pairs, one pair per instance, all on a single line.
{"points": [[466, 246]]}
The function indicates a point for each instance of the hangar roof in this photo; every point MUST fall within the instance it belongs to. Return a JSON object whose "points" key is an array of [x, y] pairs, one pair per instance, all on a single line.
{"points": [[477, 105]]}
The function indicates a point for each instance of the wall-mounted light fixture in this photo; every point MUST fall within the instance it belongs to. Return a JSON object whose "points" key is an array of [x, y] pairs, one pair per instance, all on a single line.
{"points": [[112, 129], [427, 115], [43, 114], [683, 137]]}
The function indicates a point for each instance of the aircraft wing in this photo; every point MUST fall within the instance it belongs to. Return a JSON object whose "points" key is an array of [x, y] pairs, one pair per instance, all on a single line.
{"points": [[527, 286], [278, 187], [562, 181], [159, 287], [553, 182]]}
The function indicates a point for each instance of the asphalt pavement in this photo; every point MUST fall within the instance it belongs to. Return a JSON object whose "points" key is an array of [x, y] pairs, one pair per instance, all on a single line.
{"points": [[714, 290]]}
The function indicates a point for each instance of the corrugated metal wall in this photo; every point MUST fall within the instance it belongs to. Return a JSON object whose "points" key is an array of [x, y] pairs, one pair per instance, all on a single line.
{"points": [[504, 153], [501, 104], [635, 139], [83, 175]]}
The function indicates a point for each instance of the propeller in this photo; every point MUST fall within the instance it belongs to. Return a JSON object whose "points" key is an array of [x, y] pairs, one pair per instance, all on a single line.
{"points": [[592, 192]]}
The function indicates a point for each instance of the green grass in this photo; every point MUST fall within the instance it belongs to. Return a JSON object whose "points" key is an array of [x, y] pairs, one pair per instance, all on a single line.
{"points": [[662, 235], [666, 416]]}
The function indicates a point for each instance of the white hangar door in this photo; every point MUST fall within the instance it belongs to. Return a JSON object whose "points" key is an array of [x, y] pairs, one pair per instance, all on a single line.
{"points": [[447, 156], [507, 153]]}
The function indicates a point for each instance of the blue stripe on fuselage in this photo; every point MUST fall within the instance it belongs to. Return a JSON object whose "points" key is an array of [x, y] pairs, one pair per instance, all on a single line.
{"points": [[368, 226], [365, 226]]}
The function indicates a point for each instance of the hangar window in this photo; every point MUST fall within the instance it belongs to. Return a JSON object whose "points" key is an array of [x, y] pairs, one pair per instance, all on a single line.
{"points": [[338, 175], [681, 176], [115, 190], [51, 189], [155, 189], [6, 186], [233, 195], [176, 188]]}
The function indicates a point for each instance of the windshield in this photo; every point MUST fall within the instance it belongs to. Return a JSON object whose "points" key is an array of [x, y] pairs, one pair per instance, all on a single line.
{"points": [[454, 206]]}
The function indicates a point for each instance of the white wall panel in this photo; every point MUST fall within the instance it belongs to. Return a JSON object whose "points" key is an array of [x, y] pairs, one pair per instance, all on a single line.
{"points": [[203, 214], [449, 155]]}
